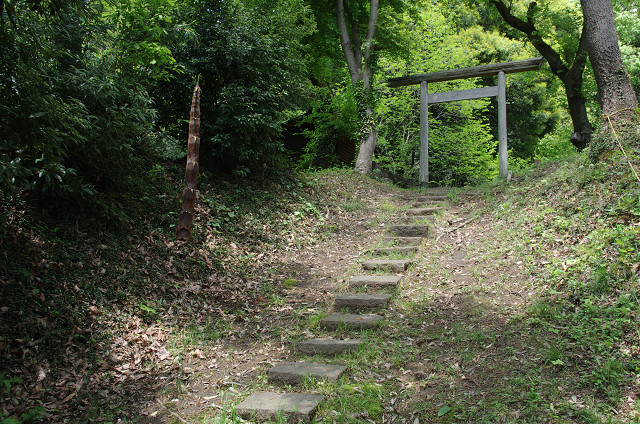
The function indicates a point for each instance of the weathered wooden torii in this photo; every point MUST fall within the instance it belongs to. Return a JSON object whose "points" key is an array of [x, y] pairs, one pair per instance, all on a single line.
{"points": [[500, 91]]}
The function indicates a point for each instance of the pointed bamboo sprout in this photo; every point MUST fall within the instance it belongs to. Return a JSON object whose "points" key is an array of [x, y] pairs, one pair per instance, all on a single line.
{"points": [[185, 219]]}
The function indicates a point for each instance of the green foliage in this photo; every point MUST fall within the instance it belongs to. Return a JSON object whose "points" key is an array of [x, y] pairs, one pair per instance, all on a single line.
{"points": [[628, 27], [140, 32], [250, 61], [461, 147], [72, 123], [334, 117], [555, 145]]}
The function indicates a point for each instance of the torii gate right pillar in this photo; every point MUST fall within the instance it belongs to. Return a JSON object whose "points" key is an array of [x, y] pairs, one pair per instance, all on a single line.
{"points": [[503, 167]]}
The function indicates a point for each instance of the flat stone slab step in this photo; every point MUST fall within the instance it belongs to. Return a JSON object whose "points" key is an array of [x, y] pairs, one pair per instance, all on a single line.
{"points": [[351, 321], [432, 198], [362, 302], [375, 281], [415, 220], [395, 265], [264, 406], [402, 241], [409, 230], [401, 250], [433, 191], [295, 372], [328, 346], [425, 211]]}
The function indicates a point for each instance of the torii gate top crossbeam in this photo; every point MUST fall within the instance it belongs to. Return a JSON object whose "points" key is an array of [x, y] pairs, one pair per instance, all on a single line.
{"points": [[475, 71]]}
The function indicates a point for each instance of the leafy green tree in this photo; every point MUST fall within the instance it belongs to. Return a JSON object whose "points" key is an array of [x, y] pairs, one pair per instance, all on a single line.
{"points": [[333, 119], [461, 146], [535, 98], [351, 36], [74, 120], [553, 29], [250, 60], [628, 26]]}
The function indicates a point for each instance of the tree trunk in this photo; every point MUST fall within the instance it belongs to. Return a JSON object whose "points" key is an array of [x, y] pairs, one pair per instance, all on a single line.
{"points": [[615, 92], [571, 77], [582, 128], [572, 80], [364, 160], [359, 65]]}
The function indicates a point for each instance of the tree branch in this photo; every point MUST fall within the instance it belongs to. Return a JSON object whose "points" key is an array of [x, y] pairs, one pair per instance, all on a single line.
{"points": [[557, 65], [345, 41], [355, 35], [577, 68], [374, 6]]}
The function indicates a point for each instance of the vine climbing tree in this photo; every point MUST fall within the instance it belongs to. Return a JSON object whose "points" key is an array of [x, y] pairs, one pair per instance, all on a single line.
{"points": [[357, 54]]}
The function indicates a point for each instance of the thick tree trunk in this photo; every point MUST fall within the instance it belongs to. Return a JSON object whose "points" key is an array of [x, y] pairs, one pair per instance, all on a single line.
{"points": [[364, 160], [615, 92], [571, 77], [359, 65]]}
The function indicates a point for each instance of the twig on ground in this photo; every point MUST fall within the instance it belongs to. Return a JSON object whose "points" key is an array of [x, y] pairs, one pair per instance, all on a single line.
{"points": [[455, 229], [175, 414]]}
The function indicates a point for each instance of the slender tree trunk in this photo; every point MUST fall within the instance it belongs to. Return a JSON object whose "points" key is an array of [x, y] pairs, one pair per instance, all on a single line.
{"points": [[582, 128], [572, 80], [185, 218], [615, 92], [571, 77], [359, 65]]}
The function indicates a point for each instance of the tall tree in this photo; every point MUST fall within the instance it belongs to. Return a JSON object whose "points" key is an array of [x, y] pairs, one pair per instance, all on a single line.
{"points": [[358, 56], [615, 92], [571, 74]]}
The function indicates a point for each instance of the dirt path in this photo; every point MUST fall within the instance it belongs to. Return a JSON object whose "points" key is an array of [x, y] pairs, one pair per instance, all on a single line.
{"points": [[449, 339], [211, 376]]}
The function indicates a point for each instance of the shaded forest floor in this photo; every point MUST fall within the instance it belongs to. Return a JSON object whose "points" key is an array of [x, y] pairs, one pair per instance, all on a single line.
{"points": [[521, 307]]}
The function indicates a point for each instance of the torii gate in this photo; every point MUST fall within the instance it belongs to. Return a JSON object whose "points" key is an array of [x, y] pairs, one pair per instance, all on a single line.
{"points": [[500, 91]]}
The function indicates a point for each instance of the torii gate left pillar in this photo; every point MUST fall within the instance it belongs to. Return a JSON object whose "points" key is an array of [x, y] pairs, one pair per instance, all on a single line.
{"points": [[500, 91]]}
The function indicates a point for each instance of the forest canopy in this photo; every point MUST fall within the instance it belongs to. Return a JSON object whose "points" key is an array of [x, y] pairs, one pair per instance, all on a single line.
{"points": [[95, 93]]}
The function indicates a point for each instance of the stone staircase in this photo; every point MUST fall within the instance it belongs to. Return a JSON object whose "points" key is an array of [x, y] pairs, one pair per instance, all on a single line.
{"points": [[353, 311]]}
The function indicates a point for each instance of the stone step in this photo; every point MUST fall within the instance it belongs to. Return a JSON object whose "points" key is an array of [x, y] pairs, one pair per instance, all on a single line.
{"points": [[361, 302], [264, 406], [432, 198], [328, 346], [375, 281], [424, 211], [350, 321], [295, 372], [401, 250], [421, 205], [402, 241], [403, 230], [395, 265], [415, 220], [433, 191]]}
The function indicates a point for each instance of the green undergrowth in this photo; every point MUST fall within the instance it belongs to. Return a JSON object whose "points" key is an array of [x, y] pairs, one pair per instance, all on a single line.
{"points": [[576, 227], [565, 237], [88, 299]]}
